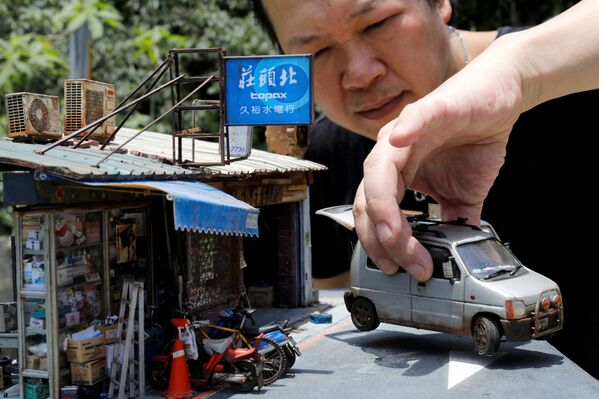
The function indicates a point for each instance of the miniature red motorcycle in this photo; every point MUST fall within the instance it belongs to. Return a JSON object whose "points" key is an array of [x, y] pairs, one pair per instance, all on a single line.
{"points": [[219, 362]]}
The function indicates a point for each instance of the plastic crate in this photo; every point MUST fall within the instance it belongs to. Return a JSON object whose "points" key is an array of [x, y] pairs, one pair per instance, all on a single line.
{"points": [[36, 390]]}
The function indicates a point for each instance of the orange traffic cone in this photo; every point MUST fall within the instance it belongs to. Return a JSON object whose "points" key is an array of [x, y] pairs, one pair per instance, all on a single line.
{"points": [[178, 382]]}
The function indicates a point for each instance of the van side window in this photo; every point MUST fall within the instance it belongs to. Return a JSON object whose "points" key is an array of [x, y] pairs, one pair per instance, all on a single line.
{"points": [[371, 265], [440, 256]]}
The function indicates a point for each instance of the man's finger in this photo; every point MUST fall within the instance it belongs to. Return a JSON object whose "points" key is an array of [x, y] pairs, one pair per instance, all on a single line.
{"points": [[383, 190], [367, 235]]}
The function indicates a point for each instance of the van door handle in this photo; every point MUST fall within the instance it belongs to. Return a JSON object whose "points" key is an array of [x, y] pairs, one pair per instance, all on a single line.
{"points": [[421, 284]]}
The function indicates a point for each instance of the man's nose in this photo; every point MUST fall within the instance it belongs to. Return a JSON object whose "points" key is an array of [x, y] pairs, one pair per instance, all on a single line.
{"points": [[362, 66]]}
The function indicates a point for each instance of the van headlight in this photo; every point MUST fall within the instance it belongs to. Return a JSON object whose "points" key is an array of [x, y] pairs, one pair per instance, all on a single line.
{"points": [[515, 310], [551, 299], [556, 300]]}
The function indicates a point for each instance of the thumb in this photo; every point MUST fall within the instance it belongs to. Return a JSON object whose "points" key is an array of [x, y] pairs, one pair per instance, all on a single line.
{"points": [[450, 211], [416, 120]]}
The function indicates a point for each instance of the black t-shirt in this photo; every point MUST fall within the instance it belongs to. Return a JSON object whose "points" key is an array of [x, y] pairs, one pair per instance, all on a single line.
{"points": [[539, 204]]}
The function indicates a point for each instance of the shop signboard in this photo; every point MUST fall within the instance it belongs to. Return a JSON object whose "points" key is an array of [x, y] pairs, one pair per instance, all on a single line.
{"points": [[269, 90]]}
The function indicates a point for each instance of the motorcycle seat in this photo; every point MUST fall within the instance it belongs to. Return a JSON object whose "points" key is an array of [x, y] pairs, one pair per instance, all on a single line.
{"points": [[217, 345], [247, 312], [253, 331]]}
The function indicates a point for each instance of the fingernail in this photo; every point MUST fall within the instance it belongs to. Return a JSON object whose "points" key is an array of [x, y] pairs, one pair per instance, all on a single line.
{"points": [[417, 271], [383, 232], [387, 266]]}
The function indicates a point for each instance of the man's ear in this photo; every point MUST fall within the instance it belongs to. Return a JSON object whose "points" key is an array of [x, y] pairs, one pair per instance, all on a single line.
{"points": [[444, 9]]}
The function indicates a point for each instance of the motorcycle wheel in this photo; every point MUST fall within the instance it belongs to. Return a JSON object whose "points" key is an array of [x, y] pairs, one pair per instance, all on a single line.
{"points": [[247, 368], [275, 360], [290, 355], [159, 375]]}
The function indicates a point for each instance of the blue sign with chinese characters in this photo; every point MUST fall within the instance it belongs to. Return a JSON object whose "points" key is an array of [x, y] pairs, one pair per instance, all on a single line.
{"points": [[269, 90]]}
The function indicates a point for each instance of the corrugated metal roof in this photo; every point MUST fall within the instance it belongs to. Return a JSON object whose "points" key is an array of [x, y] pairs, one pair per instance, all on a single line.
{"points": [[79, 164], [259, 162]]}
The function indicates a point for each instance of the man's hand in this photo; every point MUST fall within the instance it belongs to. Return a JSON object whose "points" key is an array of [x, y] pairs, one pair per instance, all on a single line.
{"points": [[450, 145]]}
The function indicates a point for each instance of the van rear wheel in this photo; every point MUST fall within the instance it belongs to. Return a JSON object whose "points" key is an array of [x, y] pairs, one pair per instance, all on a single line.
{"points": [[363, 315], [486, 335]]}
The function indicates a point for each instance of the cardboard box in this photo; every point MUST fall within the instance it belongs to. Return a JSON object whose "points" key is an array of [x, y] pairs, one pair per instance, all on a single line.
{"points": [[261, 295], [43, 363], [37, 323], [32, 362], [85, 350], [72, 319], [88, 373], [93, 231], [108, 332], [65, 276], [8, 316]]}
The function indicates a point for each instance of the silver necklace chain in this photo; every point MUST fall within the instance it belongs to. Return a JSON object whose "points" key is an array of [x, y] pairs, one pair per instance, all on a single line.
{"points": [[462, 43]]}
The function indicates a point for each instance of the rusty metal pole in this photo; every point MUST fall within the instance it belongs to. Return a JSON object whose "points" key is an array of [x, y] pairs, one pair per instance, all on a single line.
{"points": [[157, 119]]}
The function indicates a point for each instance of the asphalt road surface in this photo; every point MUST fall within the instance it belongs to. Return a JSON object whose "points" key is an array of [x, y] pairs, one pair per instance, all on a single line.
{"points": [[396, 362]]}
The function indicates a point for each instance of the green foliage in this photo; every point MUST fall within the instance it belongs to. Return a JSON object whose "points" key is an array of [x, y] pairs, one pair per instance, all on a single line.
{"points": [[94, 13], [24, 58], [130, 37], [149, 42]]}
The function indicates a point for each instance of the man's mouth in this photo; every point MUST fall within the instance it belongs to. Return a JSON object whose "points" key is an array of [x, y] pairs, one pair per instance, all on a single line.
{"points": [[379, 110]]}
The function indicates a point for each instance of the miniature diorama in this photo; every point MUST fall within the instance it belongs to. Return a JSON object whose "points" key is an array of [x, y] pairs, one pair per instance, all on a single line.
{"points": [[478, 287], [90, 207]]}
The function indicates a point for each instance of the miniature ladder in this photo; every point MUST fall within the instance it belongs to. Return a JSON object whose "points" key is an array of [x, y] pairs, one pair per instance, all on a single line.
{"points": [[130, 372]]}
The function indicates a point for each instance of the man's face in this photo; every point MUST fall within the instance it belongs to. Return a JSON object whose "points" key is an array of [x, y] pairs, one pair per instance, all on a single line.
{"points": [[371, 57]]}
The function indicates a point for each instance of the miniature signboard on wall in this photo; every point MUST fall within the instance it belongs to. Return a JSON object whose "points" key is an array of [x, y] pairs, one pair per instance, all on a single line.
{"points": [[125, 242], [269, 90], [240, 138]]}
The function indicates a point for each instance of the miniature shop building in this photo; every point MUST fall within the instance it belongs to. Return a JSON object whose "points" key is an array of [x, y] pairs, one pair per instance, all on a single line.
{"points": [[278, 262], [127, 197], [80, 230]]}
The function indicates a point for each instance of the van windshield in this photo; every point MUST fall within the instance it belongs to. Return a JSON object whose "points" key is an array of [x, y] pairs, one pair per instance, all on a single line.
{"points": [[488, 259]]}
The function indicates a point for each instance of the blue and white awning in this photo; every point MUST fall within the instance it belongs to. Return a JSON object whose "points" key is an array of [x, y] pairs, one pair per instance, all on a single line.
{"points": [[199, 207]]}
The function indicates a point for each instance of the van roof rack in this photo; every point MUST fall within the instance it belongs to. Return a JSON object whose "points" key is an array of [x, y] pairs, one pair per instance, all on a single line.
{"points": [[424, 229], [460, 221]]}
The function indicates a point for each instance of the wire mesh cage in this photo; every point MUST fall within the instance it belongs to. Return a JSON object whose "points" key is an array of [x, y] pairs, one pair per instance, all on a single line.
{"points": [[213, 269]]}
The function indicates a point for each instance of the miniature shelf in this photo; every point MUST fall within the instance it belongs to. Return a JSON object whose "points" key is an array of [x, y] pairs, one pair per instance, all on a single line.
{"points": [[35, 331], [39, 252], [82, 284], [31, 373], [35, 373], [77, 247], [33, 294]]}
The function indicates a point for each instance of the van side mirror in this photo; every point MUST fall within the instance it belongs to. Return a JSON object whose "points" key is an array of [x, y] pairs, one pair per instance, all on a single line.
{"points": [[448, 268], [449, 271]]}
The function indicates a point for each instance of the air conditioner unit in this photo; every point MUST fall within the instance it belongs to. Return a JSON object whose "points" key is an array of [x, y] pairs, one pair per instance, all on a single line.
{"points": [[87, 101], [33, 116]]}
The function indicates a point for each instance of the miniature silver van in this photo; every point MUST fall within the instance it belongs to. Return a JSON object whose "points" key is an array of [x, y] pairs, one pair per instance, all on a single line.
{"points": [[478, 288]]}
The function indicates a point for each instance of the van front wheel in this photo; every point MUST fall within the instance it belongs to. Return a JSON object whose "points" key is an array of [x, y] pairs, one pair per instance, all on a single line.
{"points": [[363, 315], [486, 335]]}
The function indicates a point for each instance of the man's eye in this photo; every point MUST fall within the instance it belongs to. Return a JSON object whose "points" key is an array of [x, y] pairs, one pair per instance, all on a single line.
{"points": [[321, 51], [378, 24]]}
